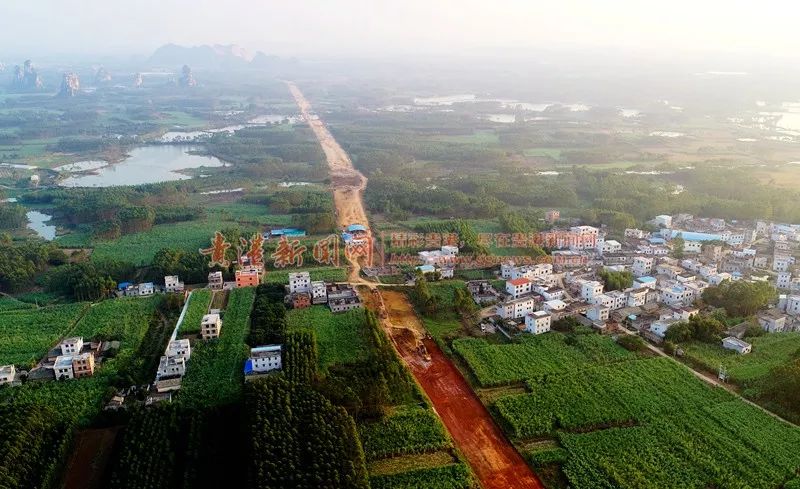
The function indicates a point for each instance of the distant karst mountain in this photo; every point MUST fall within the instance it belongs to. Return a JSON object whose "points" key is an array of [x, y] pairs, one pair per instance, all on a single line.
{"points": [[215, 56]]}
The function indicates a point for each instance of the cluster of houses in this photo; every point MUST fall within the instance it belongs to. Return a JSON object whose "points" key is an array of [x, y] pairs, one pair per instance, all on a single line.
{"points": [[441, 262], [71, 358], [303, 292], [664, 287]]}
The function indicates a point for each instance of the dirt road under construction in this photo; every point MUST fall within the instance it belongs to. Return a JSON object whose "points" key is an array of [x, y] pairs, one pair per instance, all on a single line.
{"points": [[493, 459], [347, 183]]}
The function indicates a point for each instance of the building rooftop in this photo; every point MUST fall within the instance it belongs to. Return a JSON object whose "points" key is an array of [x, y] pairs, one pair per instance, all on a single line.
{"points": [[732, 340], [267, 350], [356, 228], [519, 281], [63, 361]]}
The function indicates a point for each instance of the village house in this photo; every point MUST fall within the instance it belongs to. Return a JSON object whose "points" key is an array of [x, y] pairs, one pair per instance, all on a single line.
{"points": [[170, 367], [319, 293], [263, 359], [344, 304], [590, 289], [660, 327], [549, 293], [737, 345], [215, 281], [518, 287], [537, 322], [172, 284], [598, 313], [642, 266], [7, 374], [83, 365], [772, 320], [300, 300], [63, 367], [71, 346], [444, 256], [179, 348], [210, 326], [299, 282], [482, 291], [516, 308], [633, 233], [248, 276]]}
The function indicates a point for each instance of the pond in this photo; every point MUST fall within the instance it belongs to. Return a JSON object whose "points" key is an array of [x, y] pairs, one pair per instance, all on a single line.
{"points": [[37, 221], [146, 164], [261, 120]]}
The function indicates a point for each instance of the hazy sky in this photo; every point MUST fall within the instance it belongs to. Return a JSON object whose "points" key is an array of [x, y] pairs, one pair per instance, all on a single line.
{"points": [[369, 27]]}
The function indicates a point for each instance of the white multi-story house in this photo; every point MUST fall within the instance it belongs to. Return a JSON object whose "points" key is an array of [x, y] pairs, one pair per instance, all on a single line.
{"points": [[793, 305], [784, 280], [782, 263], [772, 320], [179, 348], [299, 282], [642, 266], [598, 313], [518, 286], [216, 281], [590, 289], [718, 278], [692, 246], [549, 293], [611, 246], [585, 238], [210, 326], [71, 346], [7, 374], [675, 295], [537, 322], [172, 283], [169, 367], [63, 367], [516, 308], [660, 327], [618, 299], [319, 293], [636, 233], [147, 288], [506, 269], [265, 358], [637, 297]]}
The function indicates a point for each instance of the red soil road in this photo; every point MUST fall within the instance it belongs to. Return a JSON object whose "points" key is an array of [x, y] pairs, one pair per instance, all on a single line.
{"points": [[493, 459]]}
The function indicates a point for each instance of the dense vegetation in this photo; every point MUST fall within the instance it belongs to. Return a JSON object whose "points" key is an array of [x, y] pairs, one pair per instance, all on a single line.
{"points": [[34, 442], [300, 440], [27, 334], [199, 301], [213, 376], [535, 356], [409, 430], [740, 298]]}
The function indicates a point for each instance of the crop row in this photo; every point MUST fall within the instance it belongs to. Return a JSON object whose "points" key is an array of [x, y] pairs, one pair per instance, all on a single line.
{"points": [[535, 356], [455, 476], [737, 446], [27, 334], [214, 373], [601, 396], [409, 430], [199, 301]]}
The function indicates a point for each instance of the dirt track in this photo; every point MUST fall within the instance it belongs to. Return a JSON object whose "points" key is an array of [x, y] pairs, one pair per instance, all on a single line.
{"points": [[347, 183], [494, 460]]}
